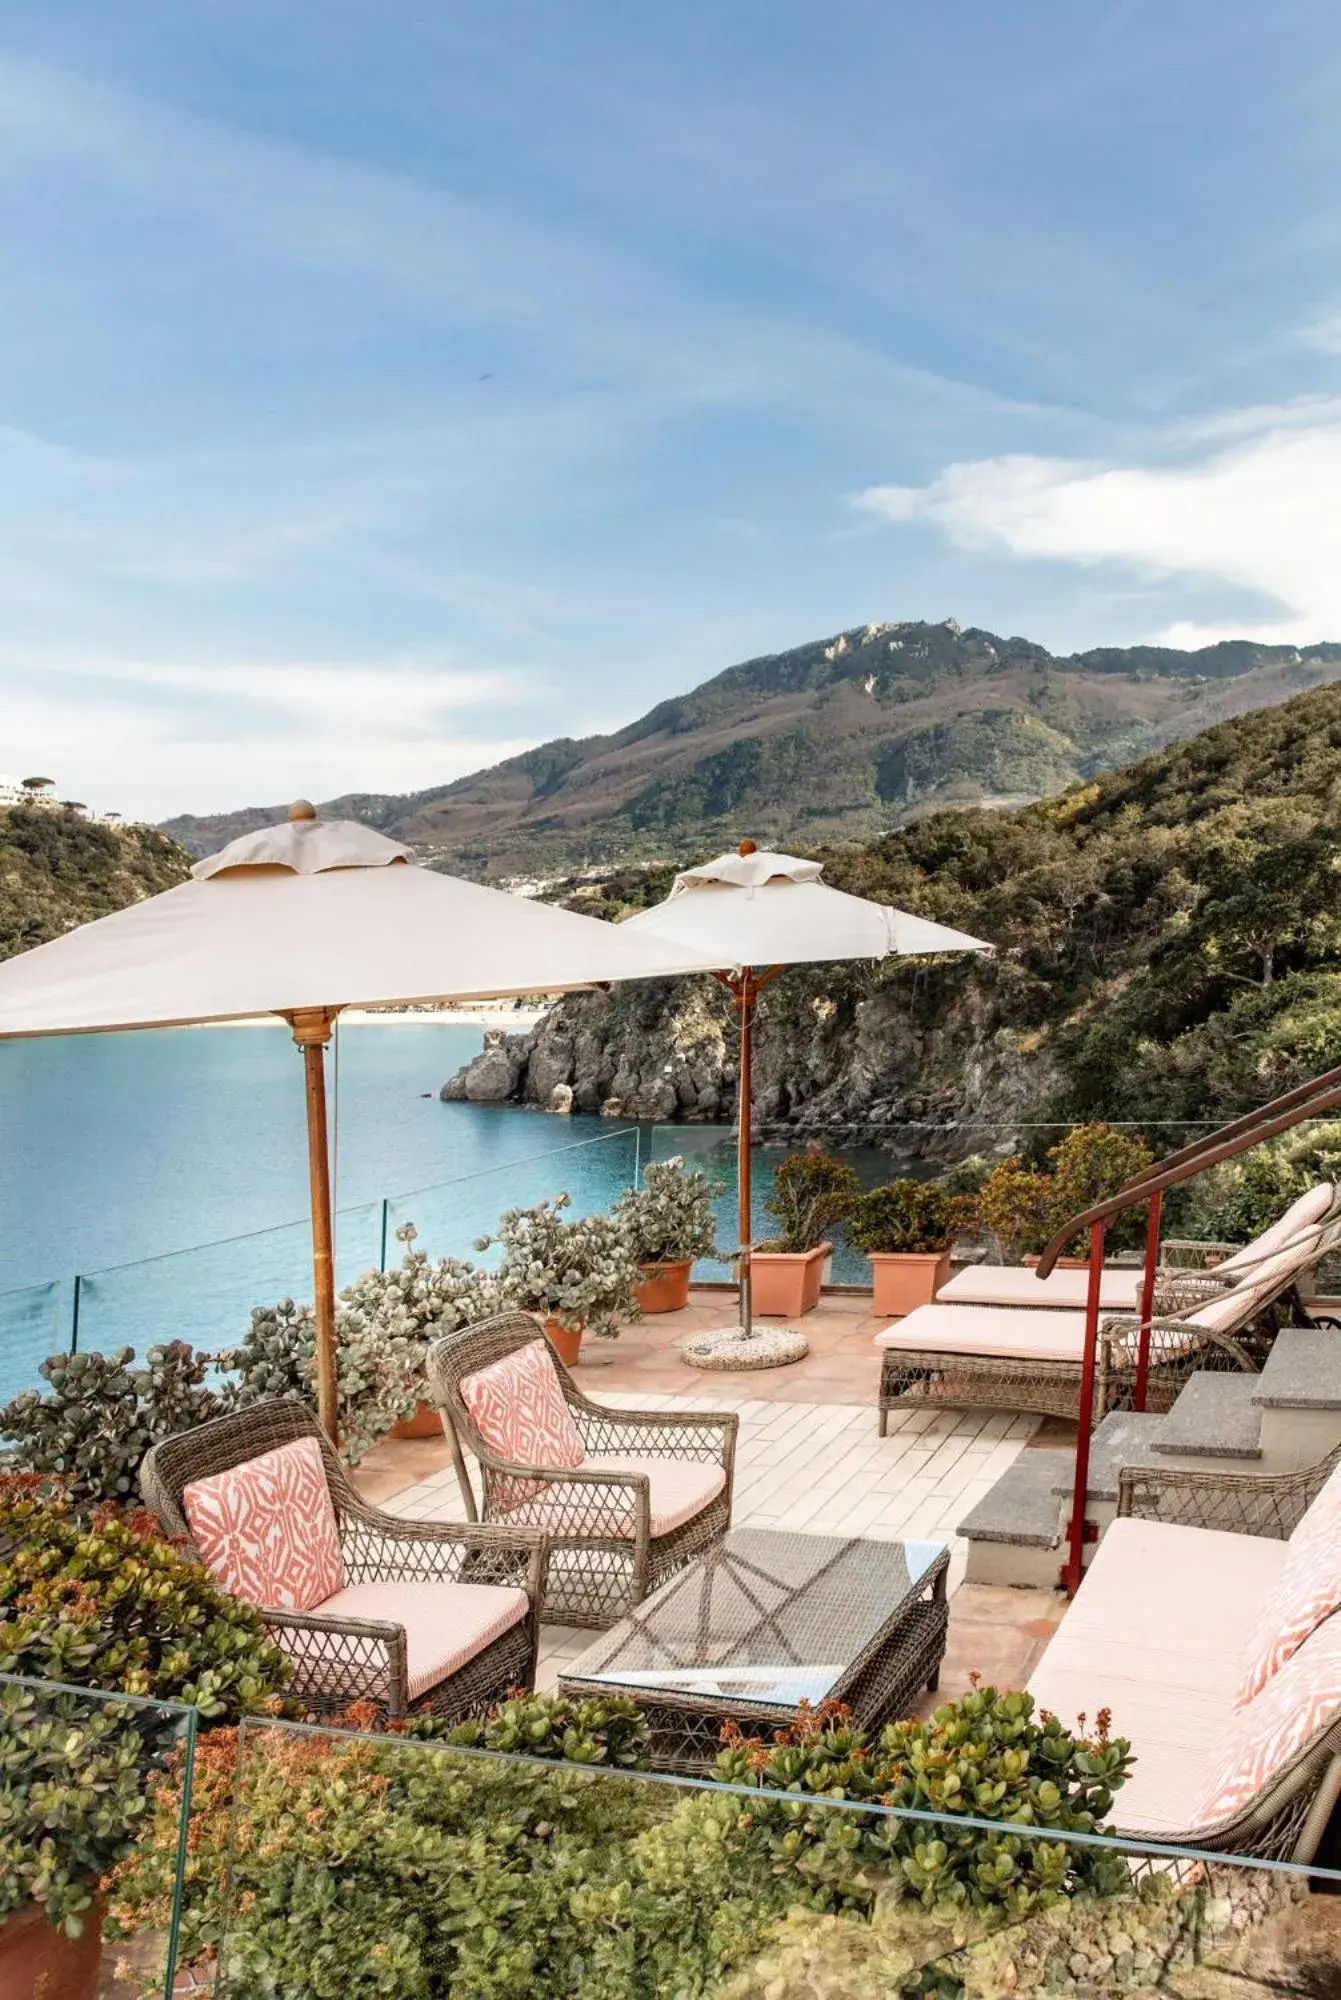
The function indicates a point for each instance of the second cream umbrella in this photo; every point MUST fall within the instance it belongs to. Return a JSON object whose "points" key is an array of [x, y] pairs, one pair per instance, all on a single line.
{"points": [[752, 913]]}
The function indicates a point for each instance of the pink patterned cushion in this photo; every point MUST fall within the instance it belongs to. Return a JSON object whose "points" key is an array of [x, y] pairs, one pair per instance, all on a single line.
{"points": [[266, 1528], [520, 1411], [1307, 1591], [1303, 1697], [446, 1625]]}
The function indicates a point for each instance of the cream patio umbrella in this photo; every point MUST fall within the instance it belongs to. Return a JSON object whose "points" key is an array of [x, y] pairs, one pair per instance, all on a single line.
{"points": [[752, 914], [303, 920]]}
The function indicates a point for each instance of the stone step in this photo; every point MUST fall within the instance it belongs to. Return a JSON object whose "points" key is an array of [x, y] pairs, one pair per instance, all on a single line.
{"points": [[1216, 1416], [1014, 1533], [1302, 1372], [1022, 1507], [1125, 1437]]}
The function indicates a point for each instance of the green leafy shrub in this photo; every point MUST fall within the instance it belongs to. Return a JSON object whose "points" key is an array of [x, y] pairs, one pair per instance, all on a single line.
{"points": [[112, 1604], [109, 1605], [581, 1273], [1024, 1206], [73, 1790], [102, 1414], [908, 1216], [810, 1193], [479, 1877], [384, 1322], [611, 1731], [1235, 1202], [670, 1217]]}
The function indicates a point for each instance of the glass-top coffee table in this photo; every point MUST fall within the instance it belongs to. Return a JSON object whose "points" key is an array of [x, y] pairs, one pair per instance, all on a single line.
{"points": [[762, 1622]]}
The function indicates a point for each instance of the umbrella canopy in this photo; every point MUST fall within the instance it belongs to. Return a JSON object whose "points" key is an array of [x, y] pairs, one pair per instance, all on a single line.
{"points": [[303, 920], [753, 912], [760, 909], [314, 915]]}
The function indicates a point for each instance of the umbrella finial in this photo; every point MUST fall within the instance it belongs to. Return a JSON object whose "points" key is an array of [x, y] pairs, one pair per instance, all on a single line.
{"points": [[748, 847], [302, 809]]}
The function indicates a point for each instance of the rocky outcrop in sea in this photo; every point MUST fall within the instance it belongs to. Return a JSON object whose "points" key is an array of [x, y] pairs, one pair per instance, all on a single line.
{"points": [[908, 1057]]}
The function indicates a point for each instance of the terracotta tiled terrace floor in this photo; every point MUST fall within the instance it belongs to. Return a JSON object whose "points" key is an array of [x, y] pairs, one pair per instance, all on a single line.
{"points": [[810, 1459]]}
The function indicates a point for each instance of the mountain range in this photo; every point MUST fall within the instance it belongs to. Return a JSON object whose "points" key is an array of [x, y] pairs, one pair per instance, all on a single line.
{"points": [[840, 739]]}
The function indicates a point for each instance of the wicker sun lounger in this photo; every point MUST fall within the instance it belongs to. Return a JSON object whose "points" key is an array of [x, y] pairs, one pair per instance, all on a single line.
{"points": [[1157, 1634], [990, 1357]]}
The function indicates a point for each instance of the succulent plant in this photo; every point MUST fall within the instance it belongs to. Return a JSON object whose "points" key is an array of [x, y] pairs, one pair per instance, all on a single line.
{"points": [[581, 1273], [103, 1413], [670, 1217]]}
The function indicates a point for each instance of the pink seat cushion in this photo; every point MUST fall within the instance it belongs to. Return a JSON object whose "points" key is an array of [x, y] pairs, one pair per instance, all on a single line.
{"points": [[1300, 1699], [679, 1488], [1307, 1591], [267, 1530], [446, 1625], [519, 1409]]}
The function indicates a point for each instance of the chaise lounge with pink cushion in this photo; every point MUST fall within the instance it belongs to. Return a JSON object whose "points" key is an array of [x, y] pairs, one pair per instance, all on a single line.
{"points": [[1217, 1653], [411, 1615], [626, 1497], [1068, 1290], [1006, 1358]]}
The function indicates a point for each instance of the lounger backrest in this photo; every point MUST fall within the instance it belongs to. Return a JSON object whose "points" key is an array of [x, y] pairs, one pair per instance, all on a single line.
{"points": [[1272, 1276], [1311, 1210]]}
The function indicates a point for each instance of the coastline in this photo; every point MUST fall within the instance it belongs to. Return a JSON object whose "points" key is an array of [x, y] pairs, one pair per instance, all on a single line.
{"points": [[516, 1020]]}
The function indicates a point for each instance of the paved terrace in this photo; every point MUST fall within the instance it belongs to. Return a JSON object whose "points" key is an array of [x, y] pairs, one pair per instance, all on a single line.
{"points": [[809, 1459]]}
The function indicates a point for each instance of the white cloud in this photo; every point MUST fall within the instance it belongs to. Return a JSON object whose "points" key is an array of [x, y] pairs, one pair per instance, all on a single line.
{"points": [[1260, 517], [152, 738]]}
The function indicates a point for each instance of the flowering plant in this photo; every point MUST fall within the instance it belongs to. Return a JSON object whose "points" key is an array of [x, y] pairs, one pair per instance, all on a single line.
{"points": [[580, 1273], [670, 1217]]}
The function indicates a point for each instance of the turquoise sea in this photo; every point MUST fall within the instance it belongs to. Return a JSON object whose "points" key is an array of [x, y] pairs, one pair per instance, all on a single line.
{"points": [[166, 1172]]}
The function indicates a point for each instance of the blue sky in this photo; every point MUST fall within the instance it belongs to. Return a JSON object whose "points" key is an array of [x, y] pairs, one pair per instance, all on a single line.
{"points": [[386, 386]]}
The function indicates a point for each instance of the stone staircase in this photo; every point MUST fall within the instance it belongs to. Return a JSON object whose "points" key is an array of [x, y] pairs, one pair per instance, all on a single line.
{"points": [[1286, 1418]]}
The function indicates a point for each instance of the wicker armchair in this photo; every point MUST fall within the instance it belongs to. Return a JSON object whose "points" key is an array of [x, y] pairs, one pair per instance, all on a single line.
{"points": [[604, 1557], [340, 1660]]}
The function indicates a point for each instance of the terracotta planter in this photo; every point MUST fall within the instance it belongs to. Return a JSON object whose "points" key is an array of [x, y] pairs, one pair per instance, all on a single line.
{"points": [[904, 1280], [38, 1961], [425, 1423], [785, 1283], [566, 1342], [663, 1288]]}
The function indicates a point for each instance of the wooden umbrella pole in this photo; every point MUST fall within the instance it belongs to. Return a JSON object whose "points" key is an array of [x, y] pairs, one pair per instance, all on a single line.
{"points": [[745, 1002], [312, 1031]]}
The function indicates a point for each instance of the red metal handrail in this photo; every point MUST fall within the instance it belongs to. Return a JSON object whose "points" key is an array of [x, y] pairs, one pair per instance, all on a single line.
{"points": [[1291, 1108]]}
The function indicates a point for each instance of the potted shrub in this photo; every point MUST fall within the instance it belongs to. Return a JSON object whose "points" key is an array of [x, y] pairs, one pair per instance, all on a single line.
{"points": [[906, 1229], [810, 1193], [1024, 1206], [107, 1603], [574, 1276], [670, 1222]]}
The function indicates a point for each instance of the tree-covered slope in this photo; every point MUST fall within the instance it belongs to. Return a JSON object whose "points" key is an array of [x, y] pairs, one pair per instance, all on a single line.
{"points": [[841, 738], [1168, 947], [58, 870]]}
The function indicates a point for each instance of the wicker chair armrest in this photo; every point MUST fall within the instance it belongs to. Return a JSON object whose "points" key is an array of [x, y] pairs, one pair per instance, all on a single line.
{"points": [[1196, 1246], [1239, 1502], [1177, 1291], [703, 1436], [584, 1499], [383, 1548]]}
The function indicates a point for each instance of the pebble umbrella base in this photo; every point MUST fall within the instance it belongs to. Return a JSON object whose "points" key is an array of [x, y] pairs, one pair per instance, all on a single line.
{"points": [[732, 1347]]}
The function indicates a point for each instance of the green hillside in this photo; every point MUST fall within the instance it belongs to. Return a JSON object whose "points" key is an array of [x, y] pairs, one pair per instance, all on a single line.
{"points": [[58, 870], [1169, 947], [842, 738]]}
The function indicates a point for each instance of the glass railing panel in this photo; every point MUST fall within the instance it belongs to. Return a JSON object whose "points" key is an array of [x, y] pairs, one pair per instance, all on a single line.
{"points": [[449, 1216], [206, 1294], [338, 1861], [34, 1322], [95, 1784]]}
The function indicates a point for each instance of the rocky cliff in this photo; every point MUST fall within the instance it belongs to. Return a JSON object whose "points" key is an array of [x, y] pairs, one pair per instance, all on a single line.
{"points": [[914, 1059], [1169, 949]]}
